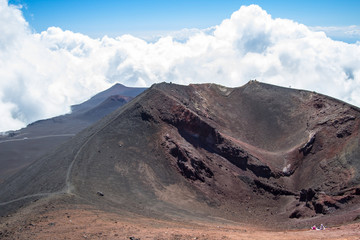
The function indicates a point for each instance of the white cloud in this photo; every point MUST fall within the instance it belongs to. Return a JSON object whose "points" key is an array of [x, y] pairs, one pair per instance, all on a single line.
{"points": [[347, 33], [42, 74]]}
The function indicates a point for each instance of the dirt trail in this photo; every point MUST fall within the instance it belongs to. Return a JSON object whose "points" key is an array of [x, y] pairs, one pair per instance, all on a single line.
{"points": [[28, 196], [68, 172], [68, 187], [39, 137]]}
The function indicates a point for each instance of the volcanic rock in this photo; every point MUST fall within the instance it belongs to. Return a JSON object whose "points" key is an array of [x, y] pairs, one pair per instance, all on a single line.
{"points": [[209, 152]]}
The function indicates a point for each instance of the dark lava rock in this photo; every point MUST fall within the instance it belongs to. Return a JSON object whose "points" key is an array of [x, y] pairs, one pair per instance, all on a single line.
{"points": [[307, 195]]}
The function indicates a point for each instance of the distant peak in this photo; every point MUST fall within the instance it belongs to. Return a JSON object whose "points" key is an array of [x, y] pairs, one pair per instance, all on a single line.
{"points": [[118, 85]]}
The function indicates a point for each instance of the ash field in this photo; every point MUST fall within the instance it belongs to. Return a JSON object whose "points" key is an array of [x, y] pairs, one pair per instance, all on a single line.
{"points": [[181, 162]]}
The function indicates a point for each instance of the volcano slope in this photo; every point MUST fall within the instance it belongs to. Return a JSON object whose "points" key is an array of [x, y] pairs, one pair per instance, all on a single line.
{"points": [[258, 154], [22, 147]]}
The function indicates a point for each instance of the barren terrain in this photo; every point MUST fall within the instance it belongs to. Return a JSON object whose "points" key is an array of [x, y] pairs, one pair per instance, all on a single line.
{"points": [[54, 220], [198, 161], [20, 148]]}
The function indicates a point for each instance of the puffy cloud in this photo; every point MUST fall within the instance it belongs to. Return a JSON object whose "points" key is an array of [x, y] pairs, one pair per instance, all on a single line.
{"points": [[37, 80], [42, 74]]}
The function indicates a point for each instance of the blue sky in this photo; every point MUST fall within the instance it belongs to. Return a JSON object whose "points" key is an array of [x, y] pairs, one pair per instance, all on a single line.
{"points": [[141, 17]]}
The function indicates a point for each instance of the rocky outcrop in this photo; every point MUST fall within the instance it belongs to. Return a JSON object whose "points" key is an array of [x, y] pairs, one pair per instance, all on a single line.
{"points": [[190, 166], [272, 189], [306, 148], [317, 202], [200, 134], [307, 195]]}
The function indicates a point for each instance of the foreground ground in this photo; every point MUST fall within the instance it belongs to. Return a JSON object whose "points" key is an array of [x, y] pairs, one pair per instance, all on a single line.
{"points": [[58, 220]]}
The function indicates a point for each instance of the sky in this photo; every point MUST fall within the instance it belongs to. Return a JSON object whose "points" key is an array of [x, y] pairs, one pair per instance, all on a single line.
{"points": [[54, 54], [144, 18]]}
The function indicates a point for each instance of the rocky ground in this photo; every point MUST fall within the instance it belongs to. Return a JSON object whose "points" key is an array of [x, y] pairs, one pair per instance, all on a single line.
{"points": [[55, 219]]}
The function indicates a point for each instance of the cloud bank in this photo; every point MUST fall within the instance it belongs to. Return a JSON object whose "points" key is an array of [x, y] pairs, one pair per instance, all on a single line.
{"points": [[42, 74], [349, 33]]}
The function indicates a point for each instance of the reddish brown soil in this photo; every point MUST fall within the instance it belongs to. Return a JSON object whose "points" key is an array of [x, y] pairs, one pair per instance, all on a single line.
{"points": [[59, 221]]}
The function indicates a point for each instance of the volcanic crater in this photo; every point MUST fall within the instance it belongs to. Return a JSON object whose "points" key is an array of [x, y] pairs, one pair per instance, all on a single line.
{"points": [[259, 154]]}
